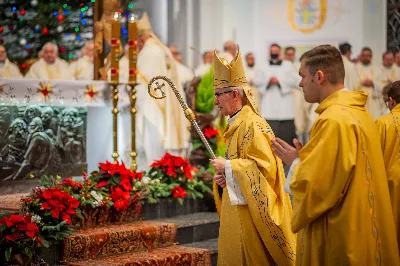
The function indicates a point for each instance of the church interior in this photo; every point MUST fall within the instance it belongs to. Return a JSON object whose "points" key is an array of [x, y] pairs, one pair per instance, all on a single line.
{"points": [[108, 120]]}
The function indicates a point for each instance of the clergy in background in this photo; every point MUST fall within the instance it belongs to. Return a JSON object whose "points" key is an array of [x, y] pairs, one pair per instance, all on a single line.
{"points": [[341, 205], [162, 126], [250, 70], [185, 73], [275, 82], [50, 66], [351, 78], [255, 212], [8, 69], [300, 105], [389, 131], [205, 66], [369, 82], [83, 69], [390, 73]]}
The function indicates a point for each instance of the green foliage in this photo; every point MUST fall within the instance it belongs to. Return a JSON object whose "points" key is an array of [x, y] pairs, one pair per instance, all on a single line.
{"points": [[8, 253], [58, 231], [205, 93], [48, 181]]}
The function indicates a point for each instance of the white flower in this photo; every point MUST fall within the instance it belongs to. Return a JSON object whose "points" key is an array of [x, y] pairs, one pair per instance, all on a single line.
{"points": [[146, 180], [97, 197], [36, 219]]}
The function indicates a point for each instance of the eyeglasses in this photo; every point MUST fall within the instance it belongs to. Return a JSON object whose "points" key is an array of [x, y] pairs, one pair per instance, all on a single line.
{"points": [[217, 94]]}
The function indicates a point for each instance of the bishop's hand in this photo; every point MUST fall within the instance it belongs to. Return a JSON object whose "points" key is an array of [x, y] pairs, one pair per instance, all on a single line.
{"points": [[286, 152], [219, 164], [220, 179]]}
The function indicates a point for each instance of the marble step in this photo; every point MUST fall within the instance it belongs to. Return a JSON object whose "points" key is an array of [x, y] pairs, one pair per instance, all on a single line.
{"points": [[173, 255], [114, 240], [194, 227]]}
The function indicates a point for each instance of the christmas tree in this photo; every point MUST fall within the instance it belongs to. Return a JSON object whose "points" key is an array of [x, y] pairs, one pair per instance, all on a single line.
{"points": [[26, 25]]}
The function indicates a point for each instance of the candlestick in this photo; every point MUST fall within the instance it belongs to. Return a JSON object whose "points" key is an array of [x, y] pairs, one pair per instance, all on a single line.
{"points": [[132, 51], [115, 53]]}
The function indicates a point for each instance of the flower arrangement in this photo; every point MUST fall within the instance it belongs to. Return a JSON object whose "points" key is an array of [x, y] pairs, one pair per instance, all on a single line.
{"points": [[119, 182], [113, 193], [173, 175], [20, 234]]}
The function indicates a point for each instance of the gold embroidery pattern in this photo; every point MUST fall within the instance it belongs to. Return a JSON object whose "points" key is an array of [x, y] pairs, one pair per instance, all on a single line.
{"points": [[275, 231], [397, 128], [219, 82], [241, 79], [371, 199], [261, 198]]}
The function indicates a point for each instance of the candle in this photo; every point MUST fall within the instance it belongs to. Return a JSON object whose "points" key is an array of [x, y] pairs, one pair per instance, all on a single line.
{"points": [[132, 50], [115, 47]]}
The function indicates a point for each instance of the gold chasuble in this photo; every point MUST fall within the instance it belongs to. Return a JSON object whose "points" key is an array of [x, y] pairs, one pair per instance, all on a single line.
{"points": [[341, 205], [389, 130], [256, 232]]}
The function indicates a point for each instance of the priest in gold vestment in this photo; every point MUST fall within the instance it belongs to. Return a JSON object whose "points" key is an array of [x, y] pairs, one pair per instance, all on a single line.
{"points": [[255, 211], [341, 208], [389, 131]]}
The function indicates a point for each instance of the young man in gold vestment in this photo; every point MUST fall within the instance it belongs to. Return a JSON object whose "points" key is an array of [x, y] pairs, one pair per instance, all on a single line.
{"points": [[389, 131], [255, 211], [341, 208]]}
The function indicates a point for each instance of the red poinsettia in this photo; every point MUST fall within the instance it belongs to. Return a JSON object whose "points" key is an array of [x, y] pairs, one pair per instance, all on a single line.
{"points": [[59, 203], [120, 198], [119, 181], [178, 192], [173, 165], [68, 182], [210, 132], [107, 170], [19, 227]]}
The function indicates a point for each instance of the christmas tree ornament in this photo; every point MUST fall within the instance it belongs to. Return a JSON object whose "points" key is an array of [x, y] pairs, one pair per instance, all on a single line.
{"points": [[22, 12], [62, 50], [45, 31], [22, 41], [60, 18], [1, 29], [11, 27], [34, 2], [60, 29]]}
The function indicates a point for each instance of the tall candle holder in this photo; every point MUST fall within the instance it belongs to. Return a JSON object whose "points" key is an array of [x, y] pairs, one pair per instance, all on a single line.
{"points": [[115, 54], [132, 53]]}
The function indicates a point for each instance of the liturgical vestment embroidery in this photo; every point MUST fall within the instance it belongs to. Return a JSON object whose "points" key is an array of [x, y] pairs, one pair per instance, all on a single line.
{"points": [[341, 208], [257, 233], [389, 132]]}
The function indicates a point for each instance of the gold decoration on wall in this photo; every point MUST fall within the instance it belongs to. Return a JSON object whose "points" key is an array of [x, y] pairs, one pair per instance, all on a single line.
{"points": [[305, 16]]}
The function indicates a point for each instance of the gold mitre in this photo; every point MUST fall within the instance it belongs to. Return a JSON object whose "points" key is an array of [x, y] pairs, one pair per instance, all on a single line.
{"points": [[232, 75], [229, 74], [144, 25]]}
